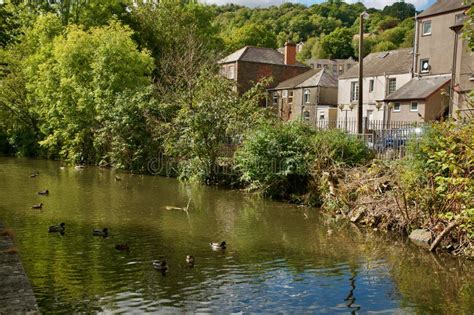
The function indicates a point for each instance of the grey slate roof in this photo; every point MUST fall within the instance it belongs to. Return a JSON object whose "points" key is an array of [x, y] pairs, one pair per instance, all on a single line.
{"points": [[419, 88], [387, 62], [313, 77], [259, 55], [442, 6]]}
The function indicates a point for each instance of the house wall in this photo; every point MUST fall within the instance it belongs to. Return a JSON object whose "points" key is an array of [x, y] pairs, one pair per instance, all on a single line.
{"points": [[430, 109], [439, 46], [464, 77], [250, 72], [319, 97], [369, 98]]}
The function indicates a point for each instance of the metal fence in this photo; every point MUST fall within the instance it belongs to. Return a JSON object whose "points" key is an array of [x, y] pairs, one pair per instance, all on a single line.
{"points": [[388, 139]]}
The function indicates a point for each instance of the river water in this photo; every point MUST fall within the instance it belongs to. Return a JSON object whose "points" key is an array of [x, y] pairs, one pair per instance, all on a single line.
{"points": [[279, 258]]}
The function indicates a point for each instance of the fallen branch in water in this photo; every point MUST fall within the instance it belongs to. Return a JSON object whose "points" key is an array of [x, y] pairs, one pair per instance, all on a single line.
{"points": [[442, 235]]}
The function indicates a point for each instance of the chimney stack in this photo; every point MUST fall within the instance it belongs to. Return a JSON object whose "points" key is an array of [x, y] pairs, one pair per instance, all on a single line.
{"points": [[290, 53]]}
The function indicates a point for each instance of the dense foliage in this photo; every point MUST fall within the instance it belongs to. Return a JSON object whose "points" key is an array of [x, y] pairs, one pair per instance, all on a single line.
{"points": [[326, 28], [439, 175], [282, 160]]}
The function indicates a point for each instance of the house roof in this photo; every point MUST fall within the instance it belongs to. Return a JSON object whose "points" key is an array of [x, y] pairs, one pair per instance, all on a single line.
{"points": [[313, 77], [444, 6], [258, 55], [386, 62], [419, 88]]}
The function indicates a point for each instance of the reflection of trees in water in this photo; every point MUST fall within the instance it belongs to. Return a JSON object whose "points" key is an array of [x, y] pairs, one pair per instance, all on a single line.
{"points": [[351, 299]]}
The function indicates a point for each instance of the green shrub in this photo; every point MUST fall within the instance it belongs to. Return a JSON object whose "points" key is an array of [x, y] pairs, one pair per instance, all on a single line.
{"points": [[337, 147], [276, 159]]}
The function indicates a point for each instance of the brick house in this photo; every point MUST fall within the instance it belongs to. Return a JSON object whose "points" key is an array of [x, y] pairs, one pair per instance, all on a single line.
{"points": [[250, 64]]}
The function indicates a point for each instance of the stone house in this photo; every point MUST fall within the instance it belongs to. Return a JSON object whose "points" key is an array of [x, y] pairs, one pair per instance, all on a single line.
{"points": [[249, 65], [310, 97], [384, 73]]}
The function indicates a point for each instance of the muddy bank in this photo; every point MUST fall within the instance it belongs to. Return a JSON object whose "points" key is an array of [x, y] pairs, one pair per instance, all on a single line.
{"points": [[16, 294]]}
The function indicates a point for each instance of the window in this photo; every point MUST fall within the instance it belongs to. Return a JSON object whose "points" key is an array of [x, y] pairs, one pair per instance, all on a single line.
{"points": [[231, 73], [371, 85], [458, 19], [322, 116], [285, 93], [396, 107], [341, 69], [306, 115], [370, 115], [290, 97], [275, 98], [354, 91], [392, 85], [426, 28], [425, 66], [307, 96], [414, 107], [318, 66], [334, 69], [326, 67]]}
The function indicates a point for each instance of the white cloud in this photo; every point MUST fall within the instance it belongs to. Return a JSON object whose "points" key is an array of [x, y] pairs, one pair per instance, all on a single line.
{"points": [[379, 4]]}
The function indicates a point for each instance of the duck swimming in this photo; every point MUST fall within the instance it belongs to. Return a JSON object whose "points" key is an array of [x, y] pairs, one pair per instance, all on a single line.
{"points": [[122, 247], [218, 246], [190, 259], [160, 265], [43, 192], [98, 232], [38, 206], [57, 228], [34, 174], [117, 179]]}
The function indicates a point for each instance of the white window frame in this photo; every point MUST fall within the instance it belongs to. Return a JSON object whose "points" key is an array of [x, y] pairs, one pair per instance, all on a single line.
{"points": [[307, 96], [354, 96], [411, 107], [285, 93], [306, 115], [371, 85], [275, 98], [231, 74], [399, 107], [421, 65], [424, 33], [290, 97]]}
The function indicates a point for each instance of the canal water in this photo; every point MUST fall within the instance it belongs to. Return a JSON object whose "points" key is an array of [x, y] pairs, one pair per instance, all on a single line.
{"points": [[279, 258]]}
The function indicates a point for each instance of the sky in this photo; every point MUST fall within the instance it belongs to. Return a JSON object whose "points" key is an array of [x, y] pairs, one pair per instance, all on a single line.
{"points": [[379, 4]]}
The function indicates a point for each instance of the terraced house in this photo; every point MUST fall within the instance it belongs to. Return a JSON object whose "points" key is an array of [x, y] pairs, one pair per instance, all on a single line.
{"points": [[384, 73], [310, 97]]}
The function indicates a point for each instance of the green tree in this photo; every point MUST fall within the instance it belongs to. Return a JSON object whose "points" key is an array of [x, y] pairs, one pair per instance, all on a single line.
{"points": [[384, 46], [251, 35], [337, 44], [76, 81]]}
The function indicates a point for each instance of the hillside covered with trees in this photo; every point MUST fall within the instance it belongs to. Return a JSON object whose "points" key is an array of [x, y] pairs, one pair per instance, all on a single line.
{"points": [[328, 28]]}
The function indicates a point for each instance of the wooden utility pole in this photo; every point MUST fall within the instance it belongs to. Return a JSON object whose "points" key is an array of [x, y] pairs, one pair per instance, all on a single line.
{"points": [[361, 75]]}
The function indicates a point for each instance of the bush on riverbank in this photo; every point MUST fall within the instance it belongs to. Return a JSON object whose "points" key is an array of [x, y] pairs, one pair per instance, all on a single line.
{"points": [[431, 188], [283, 159]]}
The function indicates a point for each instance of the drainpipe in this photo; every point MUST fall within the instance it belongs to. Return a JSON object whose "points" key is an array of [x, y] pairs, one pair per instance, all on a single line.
{"points": [[415, 48], [302, 101]]}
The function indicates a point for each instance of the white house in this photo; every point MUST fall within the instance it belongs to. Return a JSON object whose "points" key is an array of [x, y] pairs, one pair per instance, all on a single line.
{"points": [[384, 73]]}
